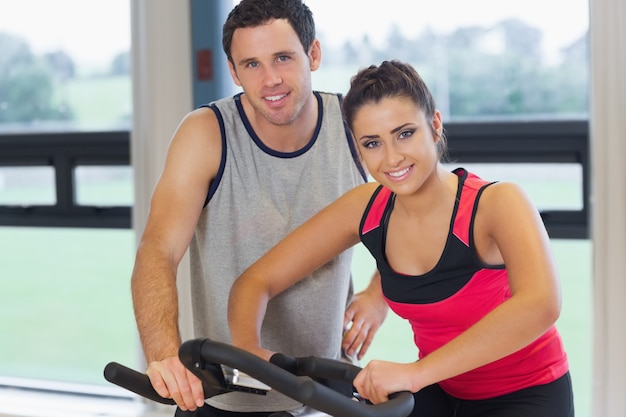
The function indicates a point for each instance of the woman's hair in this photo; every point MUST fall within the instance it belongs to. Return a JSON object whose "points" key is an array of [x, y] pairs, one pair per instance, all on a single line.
{"points": [[390, 79], [251, 13]]}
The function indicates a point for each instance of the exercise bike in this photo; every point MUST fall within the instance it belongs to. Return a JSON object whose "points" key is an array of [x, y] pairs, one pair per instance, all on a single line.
{"points": [[223, 368]]}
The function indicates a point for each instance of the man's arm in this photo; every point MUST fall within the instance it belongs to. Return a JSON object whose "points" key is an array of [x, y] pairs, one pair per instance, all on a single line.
{"points": [[192, 161], [363, 318]]}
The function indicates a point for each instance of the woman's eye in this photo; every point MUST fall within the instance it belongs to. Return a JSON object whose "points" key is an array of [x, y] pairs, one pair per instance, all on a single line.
{"points": [[406, 134], [370, 144]]}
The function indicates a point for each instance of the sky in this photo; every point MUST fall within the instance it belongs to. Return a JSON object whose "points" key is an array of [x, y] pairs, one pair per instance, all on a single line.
{"points": [[562, 21], [93, 31]]}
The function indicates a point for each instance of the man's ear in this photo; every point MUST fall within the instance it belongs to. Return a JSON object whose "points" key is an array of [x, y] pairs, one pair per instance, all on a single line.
{"points": [[315, 55], [233, 73]]}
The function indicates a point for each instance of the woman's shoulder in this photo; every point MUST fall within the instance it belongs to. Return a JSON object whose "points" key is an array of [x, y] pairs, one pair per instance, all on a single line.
{"points": [[506, 203]]}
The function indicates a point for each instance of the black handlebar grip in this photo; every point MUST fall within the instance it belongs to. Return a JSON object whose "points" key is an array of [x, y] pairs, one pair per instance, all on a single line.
{"points": [[331, 402], [328, 368], [133, 381], [399, 404], [301, 388]]}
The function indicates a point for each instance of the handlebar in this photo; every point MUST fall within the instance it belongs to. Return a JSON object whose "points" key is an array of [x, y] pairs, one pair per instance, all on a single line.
{"points": [[133, 381], [293, 377]]}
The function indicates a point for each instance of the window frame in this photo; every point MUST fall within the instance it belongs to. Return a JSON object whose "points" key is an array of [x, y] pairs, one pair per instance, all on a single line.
{"points": [[468, 142], [64, 151]]}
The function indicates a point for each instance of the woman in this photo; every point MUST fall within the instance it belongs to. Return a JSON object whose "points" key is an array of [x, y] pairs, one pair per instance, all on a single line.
{"points": [[467, 262]]}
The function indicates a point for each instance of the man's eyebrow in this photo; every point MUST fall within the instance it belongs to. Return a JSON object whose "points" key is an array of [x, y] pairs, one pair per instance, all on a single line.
{"points": [[246, 61], [285, 52]]}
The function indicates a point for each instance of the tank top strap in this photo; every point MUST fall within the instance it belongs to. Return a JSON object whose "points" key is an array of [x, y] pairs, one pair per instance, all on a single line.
{"points": [[375, 210], [470, 188]]}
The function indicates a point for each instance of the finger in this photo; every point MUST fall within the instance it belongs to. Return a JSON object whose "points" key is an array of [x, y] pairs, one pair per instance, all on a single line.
{"points": [[184, 396], [364, 387], [347, 318], [196, 388], [357, 338], [357, 382], [157, 381], [170, 376], [350, 338], [365, 345]]}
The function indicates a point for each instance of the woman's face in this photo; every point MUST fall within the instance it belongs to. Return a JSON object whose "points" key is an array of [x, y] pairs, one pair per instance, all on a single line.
{"points": [[397, 142]]}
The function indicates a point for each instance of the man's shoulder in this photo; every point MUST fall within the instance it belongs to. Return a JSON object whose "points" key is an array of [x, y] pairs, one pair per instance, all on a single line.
{"points": [[326, 95], [223, 103]]}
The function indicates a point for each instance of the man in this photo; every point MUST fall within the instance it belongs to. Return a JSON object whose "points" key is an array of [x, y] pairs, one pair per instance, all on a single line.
{"points": [[239, 175]]}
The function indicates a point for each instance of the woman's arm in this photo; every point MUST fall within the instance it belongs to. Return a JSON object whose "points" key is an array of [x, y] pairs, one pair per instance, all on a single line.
{"points": [[508, 229], [316, 242]]}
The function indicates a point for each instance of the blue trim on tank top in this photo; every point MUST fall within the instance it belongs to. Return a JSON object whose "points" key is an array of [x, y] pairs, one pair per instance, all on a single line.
{"points": [[273, 152]]}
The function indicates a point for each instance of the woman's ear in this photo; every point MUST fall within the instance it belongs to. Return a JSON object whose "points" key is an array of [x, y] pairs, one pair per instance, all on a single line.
{"points": [[437, 125]]}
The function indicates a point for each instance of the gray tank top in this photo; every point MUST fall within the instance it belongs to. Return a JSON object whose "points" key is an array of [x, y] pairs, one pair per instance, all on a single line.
{"points": [[257, 198]]}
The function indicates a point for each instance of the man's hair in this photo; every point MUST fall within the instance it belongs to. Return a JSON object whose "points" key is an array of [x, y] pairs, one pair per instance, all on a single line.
{"points": [[251, 13]]}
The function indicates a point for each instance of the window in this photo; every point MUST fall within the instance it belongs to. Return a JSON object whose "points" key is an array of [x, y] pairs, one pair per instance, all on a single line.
{"points": [[512, 87], [513, 91], [65, 65], [484, 60], [65, 191]]}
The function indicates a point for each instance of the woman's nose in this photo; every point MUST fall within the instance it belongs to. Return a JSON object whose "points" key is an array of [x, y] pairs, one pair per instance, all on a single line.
{"points": [[393, 156]]}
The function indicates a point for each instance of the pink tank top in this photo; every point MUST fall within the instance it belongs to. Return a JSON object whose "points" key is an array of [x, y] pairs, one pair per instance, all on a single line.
{"points": [[454, 295]]}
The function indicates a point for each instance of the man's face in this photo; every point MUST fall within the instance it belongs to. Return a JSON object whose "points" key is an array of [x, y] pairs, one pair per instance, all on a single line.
{"points": [[273, 69]]}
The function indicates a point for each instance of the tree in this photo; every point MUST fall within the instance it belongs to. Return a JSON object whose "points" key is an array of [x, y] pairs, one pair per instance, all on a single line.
{"points": [[121, 64], [61, 64], [27, 85]]}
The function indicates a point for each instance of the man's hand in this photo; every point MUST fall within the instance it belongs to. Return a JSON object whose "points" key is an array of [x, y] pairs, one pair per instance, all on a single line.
{"points": [[171, 379], [363, 318]]}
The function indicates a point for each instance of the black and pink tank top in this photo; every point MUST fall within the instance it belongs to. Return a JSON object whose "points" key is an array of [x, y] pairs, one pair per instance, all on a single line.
{"points": [[455, 294]]}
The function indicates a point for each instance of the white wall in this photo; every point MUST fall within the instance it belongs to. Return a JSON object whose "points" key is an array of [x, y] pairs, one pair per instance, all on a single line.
{"points": [[608, 146], [162, 95]]}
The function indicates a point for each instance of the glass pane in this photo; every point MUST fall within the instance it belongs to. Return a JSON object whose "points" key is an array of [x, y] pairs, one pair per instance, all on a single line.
{"points": [[26, 186], [482, 59], [65, 297], [394, 340], [550, 186], [65, 64], [104, 185]]}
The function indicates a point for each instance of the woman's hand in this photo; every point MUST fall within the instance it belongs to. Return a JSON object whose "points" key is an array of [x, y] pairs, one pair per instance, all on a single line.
{"points": [[380, 378]]}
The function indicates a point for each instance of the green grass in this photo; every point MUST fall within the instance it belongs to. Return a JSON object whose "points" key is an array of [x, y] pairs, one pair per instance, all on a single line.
{"points": [[99, 101], [66, 307]]}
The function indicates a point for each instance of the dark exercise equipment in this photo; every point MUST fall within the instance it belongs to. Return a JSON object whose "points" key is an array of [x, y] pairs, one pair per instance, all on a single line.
{"points": [[323, 384]]}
